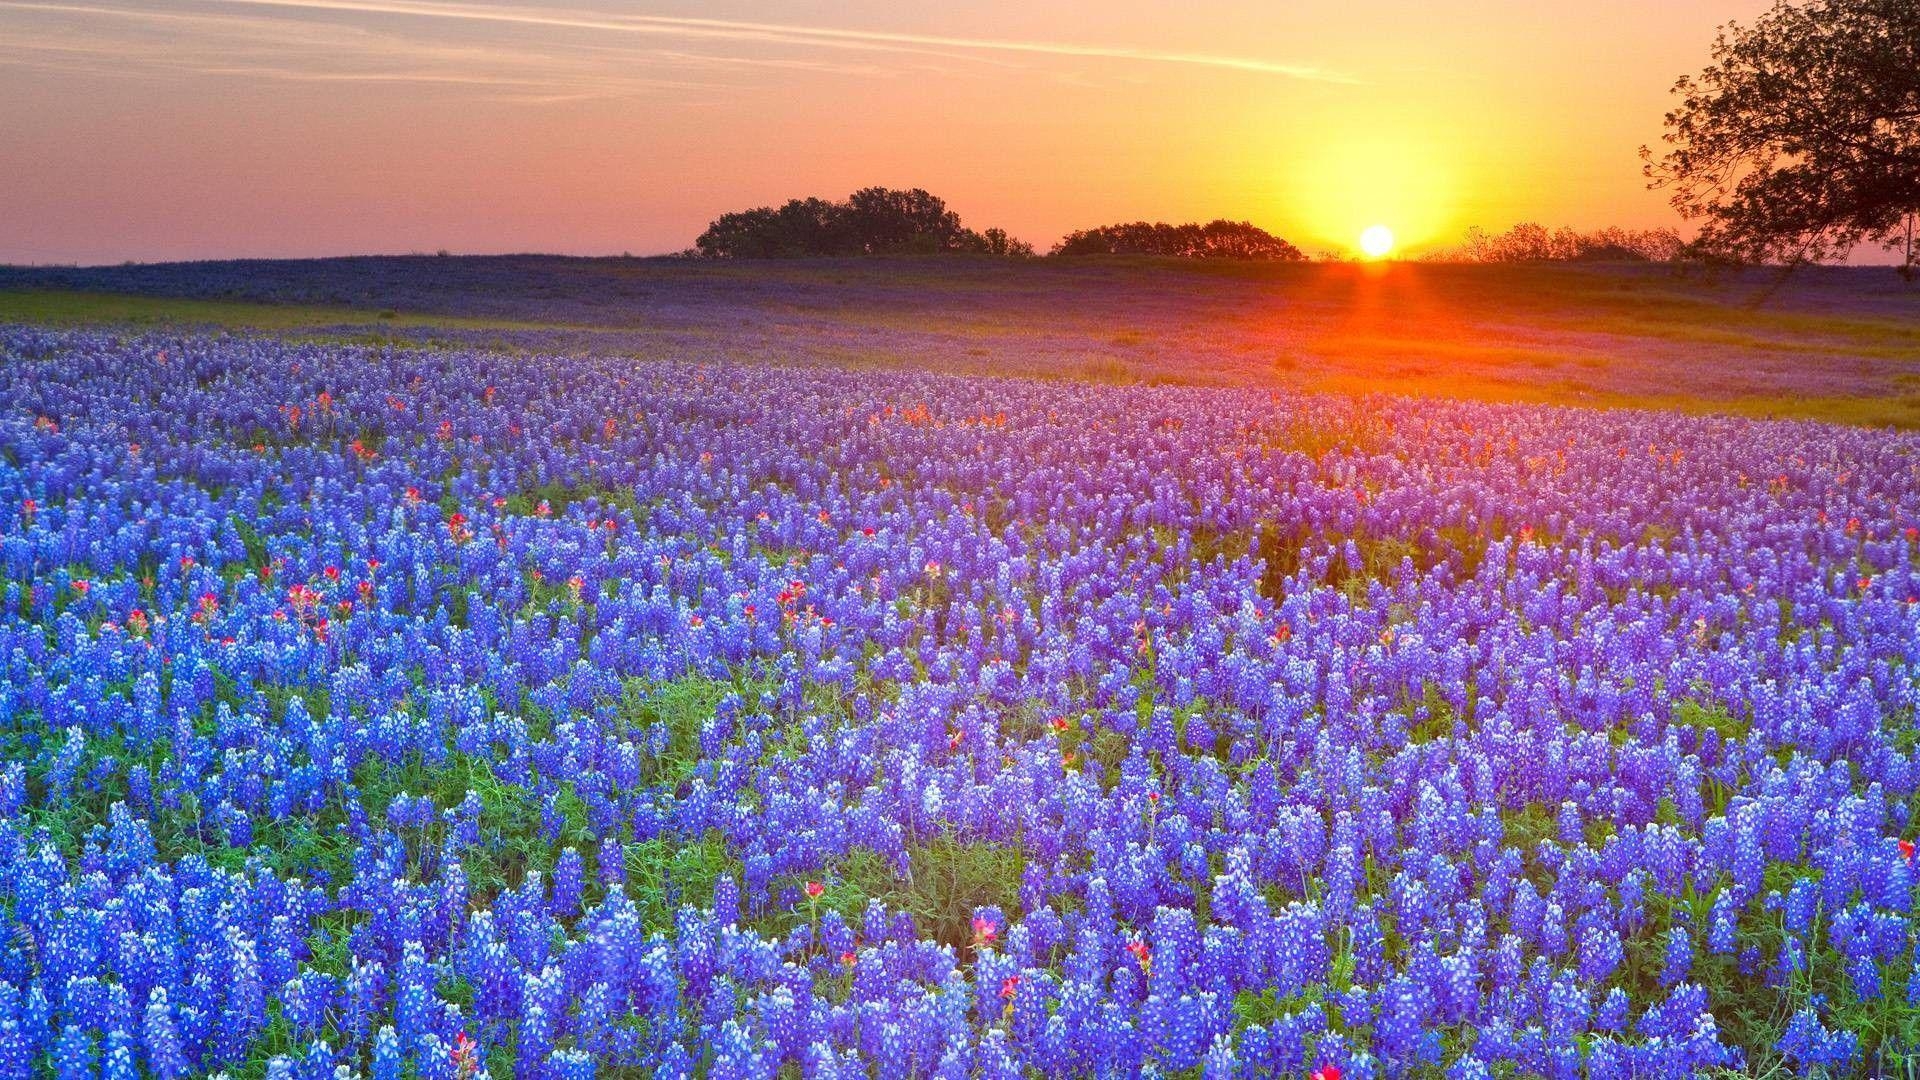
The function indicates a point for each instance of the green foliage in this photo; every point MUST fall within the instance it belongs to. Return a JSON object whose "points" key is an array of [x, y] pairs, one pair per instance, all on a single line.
{"points": [[1531, 825], [560, 495], [945, 881], [1440, 718], [683, 707], [1704, 716]]}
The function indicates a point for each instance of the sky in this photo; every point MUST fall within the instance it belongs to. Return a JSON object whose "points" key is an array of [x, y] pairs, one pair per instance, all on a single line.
{"points": [[149, 130]]}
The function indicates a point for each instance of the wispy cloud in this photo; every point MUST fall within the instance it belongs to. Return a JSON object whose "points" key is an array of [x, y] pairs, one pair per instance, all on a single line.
{"points": [[102, 40], [793, 34], [582, 53]]}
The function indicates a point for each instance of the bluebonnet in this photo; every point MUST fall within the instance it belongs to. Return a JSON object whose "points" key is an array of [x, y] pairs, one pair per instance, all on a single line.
{"points": [[421, 695]]}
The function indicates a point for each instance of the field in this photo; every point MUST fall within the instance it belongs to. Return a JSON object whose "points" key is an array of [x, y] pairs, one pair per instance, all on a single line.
{"points": [[1838, 344], [420, 667]]}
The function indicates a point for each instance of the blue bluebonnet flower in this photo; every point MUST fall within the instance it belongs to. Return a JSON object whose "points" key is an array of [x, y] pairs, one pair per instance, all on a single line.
{"points": [[518, 699]]}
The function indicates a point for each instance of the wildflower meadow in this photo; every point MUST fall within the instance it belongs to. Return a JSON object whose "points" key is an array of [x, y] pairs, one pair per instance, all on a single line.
{"points": [[438, 712]]}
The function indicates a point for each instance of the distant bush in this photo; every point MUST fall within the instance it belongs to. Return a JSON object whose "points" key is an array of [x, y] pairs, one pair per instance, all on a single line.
{"points": [[1215, 240], [1528, 242], [872, 221]]}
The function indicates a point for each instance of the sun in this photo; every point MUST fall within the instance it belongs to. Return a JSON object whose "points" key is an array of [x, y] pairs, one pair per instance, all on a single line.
{"points": [[1376, 242]]}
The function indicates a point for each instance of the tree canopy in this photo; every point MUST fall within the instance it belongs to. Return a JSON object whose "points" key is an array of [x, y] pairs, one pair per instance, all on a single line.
{"points": [[871, 221], [1802, 140], [1220, 239]]}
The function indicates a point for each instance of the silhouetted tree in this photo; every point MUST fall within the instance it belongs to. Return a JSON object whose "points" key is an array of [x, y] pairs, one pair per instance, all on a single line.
{"points": [[1530, 242], [1802, 139], [885, 220], [1215, 240], [872, 221], [996, 242], [800, 227]]}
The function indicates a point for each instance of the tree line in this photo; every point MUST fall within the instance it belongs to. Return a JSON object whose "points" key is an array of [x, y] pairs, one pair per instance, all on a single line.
{"points": [[888, 221], [1531, 242]]}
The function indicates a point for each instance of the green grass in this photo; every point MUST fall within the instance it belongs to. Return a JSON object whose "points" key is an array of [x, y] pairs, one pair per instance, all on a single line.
{"points": [[945, 881], [59, 307]]}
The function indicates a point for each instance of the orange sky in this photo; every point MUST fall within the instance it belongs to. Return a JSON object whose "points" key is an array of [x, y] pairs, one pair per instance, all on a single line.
{"points": [[139, 129]]}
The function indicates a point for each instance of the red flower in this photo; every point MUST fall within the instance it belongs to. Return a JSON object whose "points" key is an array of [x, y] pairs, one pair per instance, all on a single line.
{"points": [[1906, 850], [984, 931], [814, 889], [1326, 1072], [1008, 986], [466, 1056], [81, 585], [1141, 952]]}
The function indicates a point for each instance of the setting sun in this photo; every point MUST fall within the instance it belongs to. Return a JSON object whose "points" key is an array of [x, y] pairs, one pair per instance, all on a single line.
{"points": [[1376, 241]]}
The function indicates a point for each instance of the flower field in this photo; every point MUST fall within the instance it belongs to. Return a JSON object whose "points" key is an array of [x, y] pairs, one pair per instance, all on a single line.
{"points": [[427, 712]]}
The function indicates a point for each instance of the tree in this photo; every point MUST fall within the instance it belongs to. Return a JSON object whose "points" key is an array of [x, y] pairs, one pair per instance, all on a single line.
{"points": [[871, 221], [996, 242], [886, 220], [1802, 140], [1215, 240]]}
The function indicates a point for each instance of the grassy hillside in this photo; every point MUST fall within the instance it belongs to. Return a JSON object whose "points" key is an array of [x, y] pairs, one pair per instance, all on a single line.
{"points": [[1838, 344]]}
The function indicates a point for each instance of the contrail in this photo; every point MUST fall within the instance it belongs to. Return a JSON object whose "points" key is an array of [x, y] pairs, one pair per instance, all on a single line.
{"points": [[737, 30]]}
